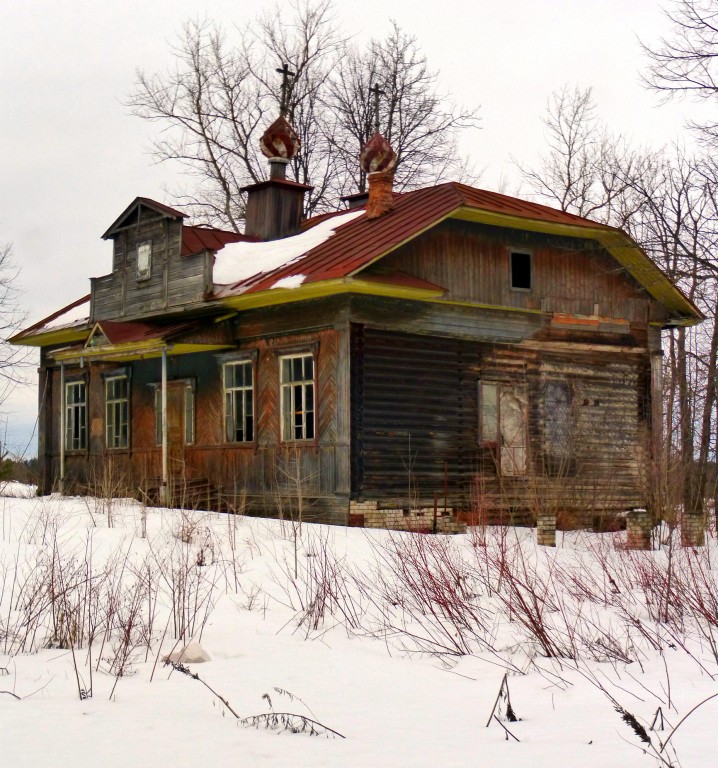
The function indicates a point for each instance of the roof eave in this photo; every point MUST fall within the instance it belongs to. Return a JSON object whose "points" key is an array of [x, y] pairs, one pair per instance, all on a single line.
{"points": [[50, 338]]}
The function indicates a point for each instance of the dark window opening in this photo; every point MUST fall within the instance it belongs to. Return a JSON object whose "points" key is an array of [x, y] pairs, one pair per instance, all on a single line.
{"points": [[521, 271]]}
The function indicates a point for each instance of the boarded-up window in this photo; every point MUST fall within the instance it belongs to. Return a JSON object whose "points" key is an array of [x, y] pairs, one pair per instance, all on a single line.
{"points": [[503, 424], [559, 423], [185, 392], [488, 412], [144, 261]]}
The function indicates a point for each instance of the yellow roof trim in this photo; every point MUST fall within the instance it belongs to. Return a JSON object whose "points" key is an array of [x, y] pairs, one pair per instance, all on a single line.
{"points": [[49, 338], [275, 296], [134, 350]]}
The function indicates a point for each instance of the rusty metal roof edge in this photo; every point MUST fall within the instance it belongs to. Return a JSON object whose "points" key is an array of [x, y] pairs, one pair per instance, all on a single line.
{"points": [[45, 320], [148, 203]]}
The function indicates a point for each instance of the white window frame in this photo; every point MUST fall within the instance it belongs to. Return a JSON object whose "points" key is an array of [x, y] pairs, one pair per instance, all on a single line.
{"points": [[117, 438], [144, 260], [297, 423], [75, 416], [239, 403]]}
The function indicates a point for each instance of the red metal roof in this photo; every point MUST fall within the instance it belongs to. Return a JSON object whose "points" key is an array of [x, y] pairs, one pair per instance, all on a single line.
{"points": [[126, 332], [403, 279], [360, 241], [39, 326], [198, 239]]}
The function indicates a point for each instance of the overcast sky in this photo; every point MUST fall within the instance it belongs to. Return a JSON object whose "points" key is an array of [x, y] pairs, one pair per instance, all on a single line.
{"points": [[72, 157]]}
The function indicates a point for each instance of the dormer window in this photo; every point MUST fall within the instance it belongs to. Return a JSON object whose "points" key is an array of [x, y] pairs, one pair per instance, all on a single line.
{"points": [[144, 261]]}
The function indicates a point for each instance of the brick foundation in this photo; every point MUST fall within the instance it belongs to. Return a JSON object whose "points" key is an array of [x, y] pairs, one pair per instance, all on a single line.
{"points": [[693, 531], [368, 514], [546, 529], [639, 525]]}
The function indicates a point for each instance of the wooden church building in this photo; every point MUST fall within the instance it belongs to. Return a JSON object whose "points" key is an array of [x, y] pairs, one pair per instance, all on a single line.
{"points": [[413, 360]]}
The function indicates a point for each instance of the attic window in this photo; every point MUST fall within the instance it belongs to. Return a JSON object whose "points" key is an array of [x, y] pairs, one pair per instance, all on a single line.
{"points": [[520, 271], [144, 261]]}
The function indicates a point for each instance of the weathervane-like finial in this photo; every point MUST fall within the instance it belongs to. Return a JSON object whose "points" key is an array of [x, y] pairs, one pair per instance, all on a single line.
{"points": [[286, 74], [376, 91]]}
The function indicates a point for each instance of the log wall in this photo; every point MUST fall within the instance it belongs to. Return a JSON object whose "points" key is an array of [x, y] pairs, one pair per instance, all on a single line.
{"points": [[415, 414]]}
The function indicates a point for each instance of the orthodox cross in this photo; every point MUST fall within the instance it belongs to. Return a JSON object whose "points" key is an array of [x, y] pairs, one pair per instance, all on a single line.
{"points": [[286, 74], [376, 92]]}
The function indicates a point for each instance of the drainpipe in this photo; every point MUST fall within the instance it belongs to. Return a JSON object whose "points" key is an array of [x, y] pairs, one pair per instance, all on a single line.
{"points": [[62, 429], [164, 490]]}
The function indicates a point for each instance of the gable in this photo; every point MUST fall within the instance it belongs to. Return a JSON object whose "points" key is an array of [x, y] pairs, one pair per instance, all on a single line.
{"points": [[140, 211], [472, 262]]}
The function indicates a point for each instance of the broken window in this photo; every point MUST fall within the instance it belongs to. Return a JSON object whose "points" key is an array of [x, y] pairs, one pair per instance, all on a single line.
{"points": [[521, 271], [117, 412], [75, 416], [297, 396], [239, 401]]}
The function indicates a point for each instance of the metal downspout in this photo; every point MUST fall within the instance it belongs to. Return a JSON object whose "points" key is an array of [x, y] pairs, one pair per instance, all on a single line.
{"points": [[164, 490], [62, 428]]}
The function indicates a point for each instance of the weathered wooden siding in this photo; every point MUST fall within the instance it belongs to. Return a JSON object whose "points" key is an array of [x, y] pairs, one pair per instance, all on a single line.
{"points": [[414, 409], [568, 275], [269, 471], [174, 281]]}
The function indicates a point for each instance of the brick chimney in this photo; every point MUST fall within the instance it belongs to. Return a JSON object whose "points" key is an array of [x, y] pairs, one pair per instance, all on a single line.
{"points": [[378, 160], [381, 193]]}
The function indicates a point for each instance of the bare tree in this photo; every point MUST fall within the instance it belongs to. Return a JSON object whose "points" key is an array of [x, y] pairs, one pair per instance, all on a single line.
{"points": [[586, 169], [215, 102], [12, 358], [686, 61], [422, 125]]}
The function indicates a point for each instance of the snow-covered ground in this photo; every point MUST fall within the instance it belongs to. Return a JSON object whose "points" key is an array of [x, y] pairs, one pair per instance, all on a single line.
{"points": [[398, 642]]}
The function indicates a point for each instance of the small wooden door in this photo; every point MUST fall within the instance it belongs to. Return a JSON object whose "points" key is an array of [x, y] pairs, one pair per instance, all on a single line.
{"points": [[176, 427]]}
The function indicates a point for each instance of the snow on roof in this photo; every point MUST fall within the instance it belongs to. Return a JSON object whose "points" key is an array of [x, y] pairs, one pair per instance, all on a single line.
{"points": [[237, 262], [292, 281]]}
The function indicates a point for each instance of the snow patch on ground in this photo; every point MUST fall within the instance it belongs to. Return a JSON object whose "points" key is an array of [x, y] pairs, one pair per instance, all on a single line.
{"points": [[318, 622]]}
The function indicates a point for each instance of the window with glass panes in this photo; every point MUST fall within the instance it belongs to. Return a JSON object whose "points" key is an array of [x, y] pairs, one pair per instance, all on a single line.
{"points": [[239, 401], [117, 412], [75, 416], [297, 396]]}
